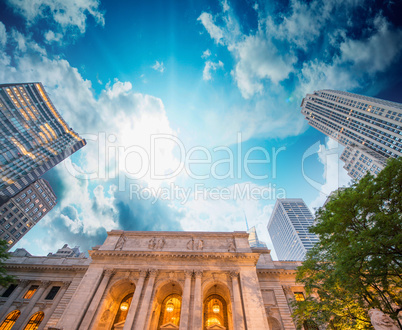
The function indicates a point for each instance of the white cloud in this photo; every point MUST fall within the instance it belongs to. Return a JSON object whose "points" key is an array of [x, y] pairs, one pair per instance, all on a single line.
{"points": [[3, 34], [50, 36], [214, 31], [67, 14], [210, 66], [376, 53], [118, 119], [158, 67], [206, 54]]}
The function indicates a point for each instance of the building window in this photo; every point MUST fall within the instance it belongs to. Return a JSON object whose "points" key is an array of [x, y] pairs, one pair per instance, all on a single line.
{"points": [[10, 320], [52, 293], [31, 291], [35, 321], [215, 312], [170, 312], [299, 296], [9, 290]]}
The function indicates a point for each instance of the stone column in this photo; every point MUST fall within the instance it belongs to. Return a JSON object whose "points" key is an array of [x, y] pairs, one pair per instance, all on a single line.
{"points": [[81, 298], [26, 313], [142, 315], [49, 313], [128, 325], [197, 310], [238, 318], [14, 295], [107, 274], [185, 305]]}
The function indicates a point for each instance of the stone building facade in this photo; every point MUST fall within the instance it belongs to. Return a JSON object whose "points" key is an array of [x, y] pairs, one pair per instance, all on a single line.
{"points": [[155, 280]]}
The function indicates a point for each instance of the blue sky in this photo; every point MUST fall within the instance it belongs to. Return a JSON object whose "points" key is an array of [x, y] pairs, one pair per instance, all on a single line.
{"points": [[195, 88]]}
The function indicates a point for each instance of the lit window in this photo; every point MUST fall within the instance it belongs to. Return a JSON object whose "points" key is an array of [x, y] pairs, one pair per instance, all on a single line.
{"points": [[31, 291], [10, 320], [299, 296], [35, 321]]}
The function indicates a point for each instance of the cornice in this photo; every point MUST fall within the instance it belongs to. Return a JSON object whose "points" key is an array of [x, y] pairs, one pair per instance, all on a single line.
{"points": [[175, 255], [47, 267], [279, 271], [190, 234]]}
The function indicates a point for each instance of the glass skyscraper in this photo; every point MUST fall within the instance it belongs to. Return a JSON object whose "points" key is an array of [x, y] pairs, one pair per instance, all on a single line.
{"points": [[33, 137], [288, 229], [371, 128]]}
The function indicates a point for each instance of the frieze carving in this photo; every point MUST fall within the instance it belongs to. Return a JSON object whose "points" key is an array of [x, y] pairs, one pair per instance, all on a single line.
{"points": [[120, 242], [231, 245], [195, 244], [155, 244]]}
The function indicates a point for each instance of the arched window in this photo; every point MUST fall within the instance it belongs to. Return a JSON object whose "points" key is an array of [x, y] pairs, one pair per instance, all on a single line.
{"points": [[123, 309], [215, 311], [170, 312], [34, 322], [10, 320]]}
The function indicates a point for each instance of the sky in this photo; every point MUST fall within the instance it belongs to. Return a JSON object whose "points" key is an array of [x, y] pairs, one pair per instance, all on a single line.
{"points": [[191, 109]]}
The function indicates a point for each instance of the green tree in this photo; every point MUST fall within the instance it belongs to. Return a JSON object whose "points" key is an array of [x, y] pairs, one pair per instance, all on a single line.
{"points": [[357, 263], [5, 279]]}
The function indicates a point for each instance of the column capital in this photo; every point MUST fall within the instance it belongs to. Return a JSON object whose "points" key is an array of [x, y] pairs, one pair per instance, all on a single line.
{"points": [[143, 272], [23, 283], [108, 272], [153, 272], [44, 283], [234, 274], [198, 273], [188, 273]]}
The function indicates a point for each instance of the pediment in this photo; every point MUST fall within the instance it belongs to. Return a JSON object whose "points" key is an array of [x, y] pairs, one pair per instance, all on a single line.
{"points": [[169, 326], [216, 327]]}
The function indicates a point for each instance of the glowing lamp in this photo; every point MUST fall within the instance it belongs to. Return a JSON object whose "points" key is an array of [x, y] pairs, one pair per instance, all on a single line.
{"points": [[124, 306], [215, 308], [169, 307]]}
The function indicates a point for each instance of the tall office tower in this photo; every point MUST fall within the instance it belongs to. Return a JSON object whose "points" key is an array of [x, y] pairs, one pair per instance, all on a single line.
{"points": [[33, 137], [288, 229], [370, 127], [24, 210]]}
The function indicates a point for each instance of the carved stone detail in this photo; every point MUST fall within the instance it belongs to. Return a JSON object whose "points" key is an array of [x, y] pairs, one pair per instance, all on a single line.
{"points": [[153, 272], [234, 274], [231, 245], [195, 244], [198, 273], [120, 242], [155, 244], [109, 272]]}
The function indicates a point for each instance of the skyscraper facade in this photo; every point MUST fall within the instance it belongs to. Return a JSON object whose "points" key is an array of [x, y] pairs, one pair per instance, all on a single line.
{"points": [[288, 228], [368, 126], [24, 210], [33, 137]]}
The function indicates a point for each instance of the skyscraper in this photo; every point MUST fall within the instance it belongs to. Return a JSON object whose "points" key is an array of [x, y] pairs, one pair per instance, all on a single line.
{"points": [[24, 210], [33, 137], [288, 229], [371, 128]]}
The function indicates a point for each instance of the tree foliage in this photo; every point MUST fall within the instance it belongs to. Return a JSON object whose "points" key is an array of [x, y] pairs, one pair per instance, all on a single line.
{"points": [[357, 263], [5, 279]]}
